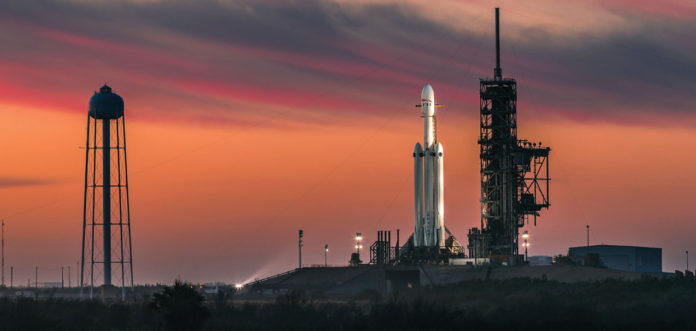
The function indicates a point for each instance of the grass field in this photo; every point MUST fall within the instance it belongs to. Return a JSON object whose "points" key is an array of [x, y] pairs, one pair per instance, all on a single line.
{"points": [[519, 304]]}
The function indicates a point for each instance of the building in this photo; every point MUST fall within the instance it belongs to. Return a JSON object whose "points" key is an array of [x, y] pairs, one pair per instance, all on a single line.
{"points": [[628, 258]]}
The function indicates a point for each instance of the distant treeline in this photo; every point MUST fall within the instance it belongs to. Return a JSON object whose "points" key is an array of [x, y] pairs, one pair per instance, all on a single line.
{"points": [[515, 304]]}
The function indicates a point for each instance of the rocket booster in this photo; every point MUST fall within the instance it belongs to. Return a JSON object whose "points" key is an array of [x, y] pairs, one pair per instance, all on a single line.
{"points": [[428, 177]]}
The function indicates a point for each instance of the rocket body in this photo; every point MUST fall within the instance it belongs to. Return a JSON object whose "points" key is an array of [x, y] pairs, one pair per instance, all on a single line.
{"points": [[428, 175]]}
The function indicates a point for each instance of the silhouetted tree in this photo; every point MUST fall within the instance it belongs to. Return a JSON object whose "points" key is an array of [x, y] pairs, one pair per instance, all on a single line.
{"points": [[296, 297], [180, 307]]}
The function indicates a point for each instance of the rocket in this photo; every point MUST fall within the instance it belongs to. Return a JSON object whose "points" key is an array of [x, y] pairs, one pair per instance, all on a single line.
{"points": [[428, 179]]}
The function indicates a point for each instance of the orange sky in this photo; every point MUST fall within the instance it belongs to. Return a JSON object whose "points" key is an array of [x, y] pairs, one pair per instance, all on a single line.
{"points": [[249, 121], [216, 203]]}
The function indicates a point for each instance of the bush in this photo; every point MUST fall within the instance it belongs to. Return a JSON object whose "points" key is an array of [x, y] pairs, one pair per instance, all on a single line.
{"points": [[180, 308]]}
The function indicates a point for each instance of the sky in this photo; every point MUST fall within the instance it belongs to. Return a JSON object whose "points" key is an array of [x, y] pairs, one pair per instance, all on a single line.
{"points": [[250, 120]]}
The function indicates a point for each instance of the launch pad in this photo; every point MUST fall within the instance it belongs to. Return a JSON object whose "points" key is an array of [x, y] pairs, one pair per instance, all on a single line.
{"points": [[383, 253], [514, 188], [514, 182]]}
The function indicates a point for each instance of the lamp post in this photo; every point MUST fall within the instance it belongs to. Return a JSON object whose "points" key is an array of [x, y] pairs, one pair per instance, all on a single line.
{"points": [[525, 236], [299, 246], [588, 240], [3, 253], [687, 260], [358, 242], [326, 251]]}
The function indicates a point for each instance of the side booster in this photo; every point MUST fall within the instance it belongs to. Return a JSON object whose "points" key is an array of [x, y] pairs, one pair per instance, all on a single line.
{"points": [[429, 184]]}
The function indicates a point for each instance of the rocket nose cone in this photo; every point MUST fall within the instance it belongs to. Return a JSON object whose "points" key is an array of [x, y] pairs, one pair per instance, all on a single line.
{"points": [[428, 93]]}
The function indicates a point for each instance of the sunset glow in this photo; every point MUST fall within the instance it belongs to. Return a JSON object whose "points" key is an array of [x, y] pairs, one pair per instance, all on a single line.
{"points": [[247, 122]]}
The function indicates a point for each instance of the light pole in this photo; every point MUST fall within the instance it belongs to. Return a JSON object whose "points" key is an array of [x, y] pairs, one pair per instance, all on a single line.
{"points": [[299, 246], [687, 260], [525, 236], [588, 240], [3, 253], [326, 251], [358, 242]]}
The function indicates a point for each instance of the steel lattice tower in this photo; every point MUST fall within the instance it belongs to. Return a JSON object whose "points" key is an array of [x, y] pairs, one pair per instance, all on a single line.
{"points": [[514, 173], [106, 228]]}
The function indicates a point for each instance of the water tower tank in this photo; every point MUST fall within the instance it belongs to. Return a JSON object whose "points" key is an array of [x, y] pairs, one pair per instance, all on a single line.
{"points": [[105, 104]]}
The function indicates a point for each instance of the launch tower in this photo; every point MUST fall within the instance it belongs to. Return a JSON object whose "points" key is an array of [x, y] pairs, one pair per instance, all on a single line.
{"points": [[106, 230], [514, 172]]}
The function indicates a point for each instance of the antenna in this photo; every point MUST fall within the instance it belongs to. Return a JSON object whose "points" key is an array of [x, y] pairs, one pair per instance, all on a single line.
{"points": [[498, 73]]}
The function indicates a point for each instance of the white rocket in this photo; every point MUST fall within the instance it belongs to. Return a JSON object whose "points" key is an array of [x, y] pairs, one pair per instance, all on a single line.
{"points": [[429, 183]]}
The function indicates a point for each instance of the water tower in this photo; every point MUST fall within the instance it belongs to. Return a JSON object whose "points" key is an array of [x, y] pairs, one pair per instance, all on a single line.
{"points": [[106, 228]]}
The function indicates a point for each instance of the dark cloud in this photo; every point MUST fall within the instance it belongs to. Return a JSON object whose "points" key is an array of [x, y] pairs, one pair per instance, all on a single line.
{"points": [[624, 73], [308, 27], [388, 48], [8, 182]]}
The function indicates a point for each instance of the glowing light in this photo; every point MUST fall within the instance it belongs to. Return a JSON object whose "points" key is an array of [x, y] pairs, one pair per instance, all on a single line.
{"points": [[525, 235], [238, 286]]}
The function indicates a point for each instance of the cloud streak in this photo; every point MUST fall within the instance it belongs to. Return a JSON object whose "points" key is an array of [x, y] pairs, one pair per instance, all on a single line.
{"points": [[317, 60], [12, 182]]}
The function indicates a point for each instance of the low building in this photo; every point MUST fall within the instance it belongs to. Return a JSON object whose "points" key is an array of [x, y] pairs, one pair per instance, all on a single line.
{"points": [[628, 258]]}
